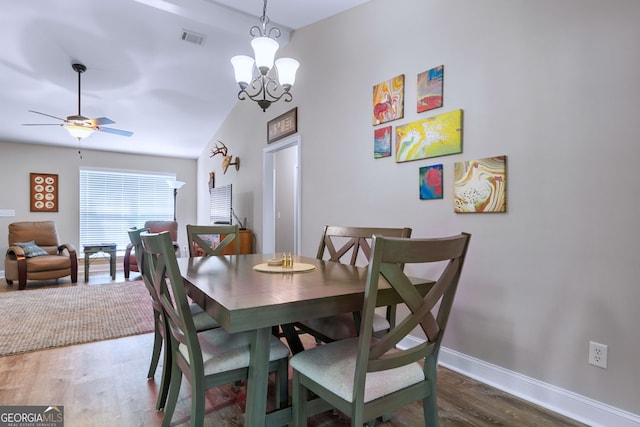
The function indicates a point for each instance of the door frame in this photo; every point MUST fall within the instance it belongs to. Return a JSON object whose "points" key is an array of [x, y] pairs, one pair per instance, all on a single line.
{"points": [[269, 194]]}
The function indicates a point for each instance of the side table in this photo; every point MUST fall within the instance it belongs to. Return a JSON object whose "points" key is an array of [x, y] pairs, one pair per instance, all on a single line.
{"points": [[107, 248]]}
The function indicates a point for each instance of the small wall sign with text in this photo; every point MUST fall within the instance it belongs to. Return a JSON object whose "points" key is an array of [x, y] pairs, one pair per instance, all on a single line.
{"points": [[282, 126]]}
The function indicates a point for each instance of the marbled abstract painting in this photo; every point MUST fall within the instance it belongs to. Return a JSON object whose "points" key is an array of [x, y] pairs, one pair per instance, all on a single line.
{"points": [[388, 100], [430, 85], [480, 185], [382, 142], [431, 137]]}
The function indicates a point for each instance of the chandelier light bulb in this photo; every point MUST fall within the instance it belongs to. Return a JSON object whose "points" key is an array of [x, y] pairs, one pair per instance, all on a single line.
{"points": [[243, 69], [287, 68], [264, 49]]}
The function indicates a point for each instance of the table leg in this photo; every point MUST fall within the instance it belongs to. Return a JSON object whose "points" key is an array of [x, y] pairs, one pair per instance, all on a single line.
{"points": [[86, 266], [258, 380], [112, 264]]}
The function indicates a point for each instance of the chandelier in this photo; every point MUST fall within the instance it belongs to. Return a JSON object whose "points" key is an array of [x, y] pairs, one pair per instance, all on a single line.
{"points": [[258, 78]]}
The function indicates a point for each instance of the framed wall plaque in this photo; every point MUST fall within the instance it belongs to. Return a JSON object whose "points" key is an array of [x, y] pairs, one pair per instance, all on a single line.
{"points": [[282, 126], [44, 192]]}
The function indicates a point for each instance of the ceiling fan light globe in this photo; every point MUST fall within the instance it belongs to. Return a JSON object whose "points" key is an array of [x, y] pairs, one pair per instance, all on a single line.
{"points": [[78, 131]]}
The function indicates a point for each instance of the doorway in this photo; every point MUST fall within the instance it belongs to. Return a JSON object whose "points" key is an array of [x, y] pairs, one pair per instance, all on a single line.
{"points": [[281, 201]]}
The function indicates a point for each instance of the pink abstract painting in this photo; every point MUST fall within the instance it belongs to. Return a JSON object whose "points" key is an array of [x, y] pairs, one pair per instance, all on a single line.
{"points": [[388, 100]]}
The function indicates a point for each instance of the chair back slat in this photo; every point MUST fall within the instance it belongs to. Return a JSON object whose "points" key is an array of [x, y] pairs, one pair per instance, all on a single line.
{"points": [[357, 242], [195, 235], [387, 260]]}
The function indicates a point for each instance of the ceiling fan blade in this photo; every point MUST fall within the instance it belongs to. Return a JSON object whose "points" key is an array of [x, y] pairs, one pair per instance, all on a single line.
{"points": [[115, 131], [44, 114], [42, 124], [101, 121]]}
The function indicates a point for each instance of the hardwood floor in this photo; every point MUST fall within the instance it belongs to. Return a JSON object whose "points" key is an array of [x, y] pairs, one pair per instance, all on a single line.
{"points": [[104, 384]]}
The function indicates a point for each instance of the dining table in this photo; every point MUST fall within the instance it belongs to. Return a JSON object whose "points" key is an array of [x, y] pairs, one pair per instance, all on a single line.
{"points": [[243, 294]]}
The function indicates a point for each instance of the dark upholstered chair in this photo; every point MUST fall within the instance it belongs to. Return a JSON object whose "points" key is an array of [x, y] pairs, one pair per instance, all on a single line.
{"points": [[35, 253], [130, 261]]}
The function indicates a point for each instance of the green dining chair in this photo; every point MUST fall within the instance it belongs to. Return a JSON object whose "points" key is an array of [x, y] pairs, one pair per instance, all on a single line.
{"points": [[210, 239], [349, 245], [365, 377], [207, 359], [202, 320]]}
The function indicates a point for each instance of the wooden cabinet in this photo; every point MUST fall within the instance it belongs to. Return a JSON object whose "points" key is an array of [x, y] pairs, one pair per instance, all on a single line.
{"points": [[246, 244]]}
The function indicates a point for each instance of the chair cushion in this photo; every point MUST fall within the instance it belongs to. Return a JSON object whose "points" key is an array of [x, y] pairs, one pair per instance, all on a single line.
{"points": [[31, 249], [48, 263], [332, 365], [222, 351], [201, 320], [343, 326]]}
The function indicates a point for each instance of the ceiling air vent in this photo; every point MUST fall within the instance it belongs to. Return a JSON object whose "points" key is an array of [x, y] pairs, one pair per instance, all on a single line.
{"points": [[193, 37]]}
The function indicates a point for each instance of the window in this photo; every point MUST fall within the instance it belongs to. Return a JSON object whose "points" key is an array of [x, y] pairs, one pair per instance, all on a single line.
{"points": [[111, 202]]}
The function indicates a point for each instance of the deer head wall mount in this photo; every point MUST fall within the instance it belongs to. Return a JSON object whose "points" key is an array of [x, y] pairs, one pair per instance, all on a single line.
{"points": [[226, 159]]}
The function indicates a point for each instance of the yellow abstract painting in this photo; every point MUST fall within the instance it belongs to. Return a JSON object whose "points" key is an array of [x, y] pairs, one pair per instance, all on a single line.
{"points": [[431, 137]]}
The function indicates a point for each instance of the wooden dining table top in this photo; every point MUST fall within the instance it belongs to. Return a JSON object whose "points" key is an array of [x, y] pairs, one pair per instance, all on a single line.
{"points": [[241, 298]]}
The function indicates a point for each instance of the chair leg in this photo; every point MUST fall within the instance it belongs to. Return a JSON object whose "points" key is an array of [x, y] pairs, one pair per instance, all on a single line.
{"points": [[157, 347], [172, 398], [165, 381], [299, 401], [282, 384], [197, 400], [430, 403], [430, 408]]}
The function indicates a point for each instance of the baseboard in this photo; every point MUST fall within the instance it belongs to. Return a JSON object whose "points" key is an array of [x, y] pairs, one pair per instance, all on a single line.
{"points": [[567, 403]]}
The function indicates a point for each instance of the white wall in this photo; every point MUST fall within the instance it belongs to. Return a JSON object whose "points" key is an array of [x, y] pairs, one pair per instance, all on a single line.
{"points": [[18, 160], [552, 84]]}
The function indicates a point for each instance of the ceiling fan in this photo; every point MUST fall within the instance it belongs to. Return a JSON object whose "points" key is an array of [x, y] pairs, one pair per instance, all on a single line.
{"points": [[78, 125]]}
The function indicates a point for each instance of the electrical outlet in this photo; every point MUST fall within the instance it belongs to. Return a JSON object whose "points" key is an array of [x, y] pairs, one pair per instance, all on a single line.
{"points": [[185, 252], [598, 354]]}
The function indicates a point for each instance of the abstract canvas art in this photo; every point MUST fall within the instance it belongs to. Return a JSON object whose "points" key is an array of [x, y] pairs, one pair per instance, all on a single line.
{"points": [[431, 182], [388, 100], [480, 185], [431, 137], [430, 85], [382, 142]]}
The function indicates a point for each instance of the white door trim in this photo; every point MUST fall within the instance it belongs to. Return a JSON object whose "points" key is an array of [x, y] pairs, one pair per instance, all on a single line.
{"points": [[269, 195]]}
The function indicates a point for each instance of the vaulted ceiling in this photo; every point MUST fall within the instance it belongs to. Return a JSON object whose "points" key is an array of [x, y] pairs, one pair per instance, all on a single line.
{"points": [[171, 93]]}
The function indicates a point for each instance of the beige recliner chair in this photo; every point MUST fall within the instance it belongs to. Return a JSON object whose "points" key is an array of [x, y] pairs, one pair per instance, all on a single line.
{"points": [[35, 253]]}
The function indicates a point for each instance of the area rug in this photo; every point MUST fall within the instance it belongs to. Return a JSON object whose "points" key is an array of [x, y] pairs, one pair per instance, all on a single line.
{"points": [[54, 317]]}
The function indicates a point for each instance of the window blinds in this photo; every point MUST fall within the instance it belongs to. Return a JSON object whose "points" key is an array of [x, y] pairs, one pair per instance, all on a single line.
{"points": [[111, 202]]}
